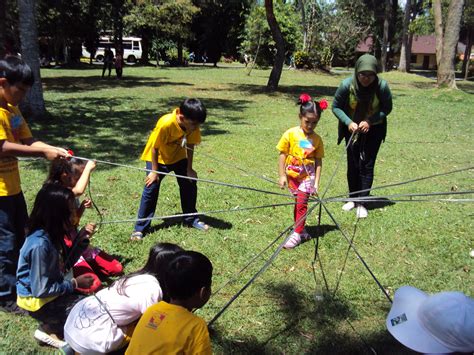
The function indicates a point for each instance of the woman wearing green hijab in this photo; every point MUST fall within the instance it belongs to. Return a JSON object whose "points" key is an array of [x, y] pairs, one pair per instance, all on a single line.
{"points": [[362, 104]]}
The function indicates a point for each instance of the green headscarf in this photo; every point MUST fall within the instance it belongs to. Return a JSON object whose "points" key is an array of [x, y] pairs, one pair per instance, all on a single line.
{"points": [[364, 95]]}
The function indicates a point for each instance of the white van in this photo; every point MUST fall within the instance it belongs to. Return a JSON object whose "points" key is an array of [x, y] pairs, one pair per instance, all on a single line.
{"points": [[132, 49]]}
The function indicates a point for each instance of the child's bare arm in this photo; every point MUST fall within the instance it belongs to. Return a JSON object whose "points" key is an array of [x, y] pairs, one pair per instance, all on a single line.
{"points": [[81, 184], [282, 180], [318, 167], [31, 150], [190, 154], [152, 175]]}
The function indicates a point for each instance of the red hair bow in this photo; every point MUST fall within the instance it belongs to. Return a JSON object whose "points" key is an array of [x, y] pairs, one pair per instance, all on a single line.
{"points": [[323, 104], [304, 98]]}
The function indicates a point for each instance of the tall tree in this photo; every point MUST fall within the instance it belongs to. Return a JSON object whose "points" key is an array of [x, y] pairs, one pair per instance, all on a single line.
{"points": [[275, 74], [447, 37], [218, 27], [468, 34], [404, 64], [3, 27], [34, 102]]}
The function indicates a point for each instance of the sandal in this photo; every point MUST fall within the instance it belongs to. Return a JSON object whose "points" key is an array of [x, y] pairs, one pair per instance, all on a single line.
{"points": [[136, 236], [200, 225]]}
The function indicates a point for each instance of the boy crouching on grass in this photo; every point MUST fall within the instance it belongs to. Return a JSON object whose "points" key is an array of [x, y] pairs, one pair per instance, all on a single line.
{"points": [[171, 327], [170, 149]]}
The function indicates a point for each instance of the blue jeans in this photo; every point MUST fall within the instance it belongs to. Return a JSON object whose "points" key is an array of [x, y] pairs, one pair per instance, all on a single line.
{"points": [[187, 193], [13, 218]]}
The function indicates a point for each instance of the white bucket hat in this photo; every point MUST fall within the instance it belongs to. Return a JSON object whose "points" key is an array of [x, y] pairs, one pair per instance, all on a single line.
{"points": [[439, 323]]}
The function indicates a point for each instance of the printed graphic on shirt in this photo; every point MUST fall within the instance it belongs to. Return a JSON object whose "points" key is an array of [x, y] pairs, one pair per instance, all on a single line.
{"points": [[307, 147], [90, 312], [15, 124], [155, 320]]}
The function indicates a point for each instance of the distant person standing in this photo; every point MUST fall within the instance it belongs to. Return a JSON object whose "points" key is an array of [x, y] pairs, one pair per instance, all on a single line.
{"points": [[119, 63], [108, 60], [246, 59]]}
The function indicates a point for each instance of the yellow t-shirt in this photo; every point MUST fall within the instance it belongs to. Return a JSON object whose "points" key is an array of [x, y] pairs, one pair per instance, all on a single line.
{"points": [[167, 137], [295, 144], [169, 329], [13, 128]]}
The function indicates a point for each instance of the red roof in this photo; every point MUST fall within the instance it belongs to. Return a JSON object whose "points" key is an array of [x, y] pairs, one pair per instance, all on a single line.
{"points": [[423, 45]]}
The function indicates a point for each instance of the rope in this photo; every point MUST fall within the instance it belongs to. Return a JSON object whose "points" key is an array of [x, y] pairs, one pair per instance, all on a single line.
{"points": [[358, 255], [197, 213], [259, 272], [262, 177], [189, 178], [409, 181]]}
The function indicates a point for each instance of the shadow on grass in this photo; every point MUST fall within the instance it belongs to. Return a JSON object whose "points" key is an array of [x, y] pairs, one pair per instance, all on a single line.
{"points": [[116, 129], [320, 231], [292, 91], [332, 328], [169, 222], [76, 84], [381, 202]]}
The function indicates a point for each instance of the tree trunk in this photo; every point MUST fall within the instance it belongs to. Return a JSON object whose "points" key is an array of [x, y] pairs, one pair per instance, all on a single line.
{"points": [[402, 66], [467, 53], [385, 43], [438, 19], [301, 5], [446, 75], [275, 74], [3, 18], [33, 105]]}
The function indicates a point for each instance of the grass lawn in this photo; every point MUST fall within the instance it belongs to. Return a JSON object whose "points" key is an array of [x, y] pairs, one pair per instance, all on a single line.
{"points": [[423, 244]]}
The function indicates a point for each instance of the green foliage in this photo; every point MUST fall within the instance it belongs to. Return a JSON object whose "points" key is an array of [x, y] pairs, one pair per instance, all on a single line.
{"points": [[257, 31], [302, 60], [218, 27]]}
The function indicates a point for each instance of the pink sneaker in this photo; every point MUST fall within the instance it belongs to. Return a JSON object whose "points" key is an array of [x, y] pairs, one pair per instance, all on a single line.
{"points": [[293, 241]]}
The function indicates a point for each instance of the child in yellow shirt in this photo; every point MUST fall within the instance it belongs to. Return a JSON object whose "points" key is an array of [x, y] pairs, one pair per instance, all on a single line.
{"points": [[16, 140], [170, 149], [171, 327], [300, 162]]}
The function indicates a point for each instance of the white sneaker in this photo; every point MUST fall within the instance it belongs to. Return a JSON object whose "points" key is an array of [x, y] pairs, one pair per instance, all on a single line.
{"points": [[49, 339], [362, 212], [293, 241], [348, 206]]}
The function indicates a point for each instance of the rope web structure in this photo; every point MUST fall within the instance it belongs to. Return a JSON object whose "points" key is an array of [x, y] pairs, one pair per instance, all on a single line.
{"points": [[316, 204]]}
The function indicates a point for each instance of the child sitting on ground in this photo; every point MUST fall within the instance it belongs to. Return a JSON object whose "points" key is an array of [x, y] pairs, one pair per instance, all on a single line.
{"points": [[43, 288], [74, 174], [104, 322], [171, 327], [299, 165], [16, 140], [170, 149]]}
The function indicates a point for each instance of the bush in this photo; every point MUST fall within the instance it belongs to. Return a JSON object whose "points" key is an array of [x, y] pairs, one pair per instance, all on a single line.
{"points": [[302, 60]]}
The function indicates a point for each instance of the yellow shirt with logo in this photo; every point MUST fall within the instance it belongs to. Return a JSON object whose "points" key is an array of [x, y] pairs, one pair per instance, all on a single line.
{"points": [[169, 329], [14, 129], [167, 137], [299, 147]]}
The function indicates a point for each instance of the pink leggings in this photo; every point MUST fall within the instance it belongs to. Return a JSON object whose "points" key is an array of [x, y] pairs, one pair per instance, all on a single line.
{"points": [[301, 207]]}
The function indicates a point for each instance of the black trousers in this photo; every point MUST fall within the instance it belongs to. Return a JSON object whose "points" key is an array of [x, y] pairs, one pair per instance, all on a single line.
{"points": [[187, 193], [361, 156]]}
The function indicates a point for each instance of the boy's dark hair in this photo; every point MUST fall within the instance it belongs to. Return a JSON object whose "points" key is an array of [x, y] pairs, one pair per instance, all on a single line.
{"points": [[187, 273], [15, 70], [194, 110], [159, 257]]}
